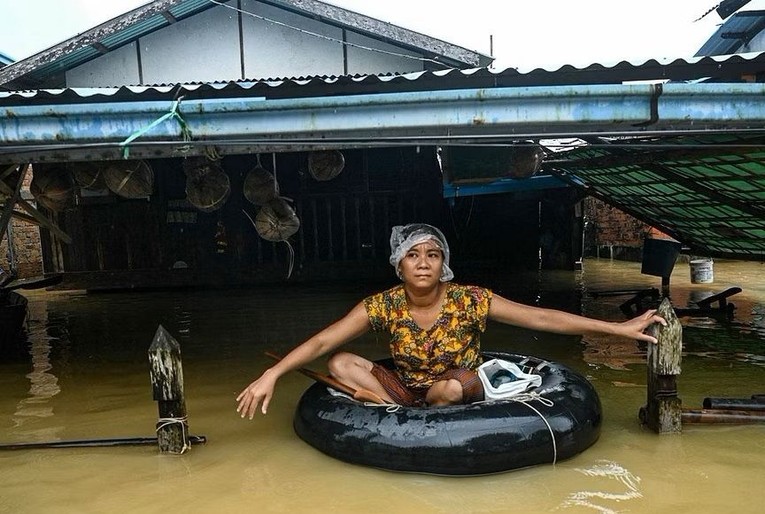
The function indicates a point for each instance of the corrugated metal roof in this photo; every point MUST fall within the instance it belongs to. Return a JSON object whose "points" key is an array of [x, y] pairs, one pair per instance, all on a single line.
{"points": [[713, 69], [734, 33], [707, 190]]}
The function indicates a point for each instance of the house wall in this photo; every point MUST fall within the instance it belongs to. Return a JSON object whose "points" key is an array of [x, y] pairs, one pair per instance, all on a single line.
{"points": [[163, 241], [203, 48], [272, 50], [26, 249], [221, 44], [612, 233]]}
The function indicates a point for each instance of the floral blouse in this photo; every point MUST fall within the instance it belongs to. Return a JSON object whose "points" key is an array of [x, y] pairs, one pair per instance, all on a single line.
{"points": [[452, 342]]}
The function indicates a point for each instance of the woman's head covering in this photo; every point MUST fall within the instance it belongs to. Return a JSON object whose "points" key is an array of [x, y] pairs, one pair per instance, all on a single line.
{"points": [[404, 237]]}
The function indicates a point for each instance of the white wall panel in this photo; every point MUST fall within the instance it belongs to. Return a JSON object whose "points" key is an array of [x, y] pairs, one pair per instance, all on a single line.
{"points": [[206, 48], [274, 51], [117, 68], [203, 48], [362, 61]]}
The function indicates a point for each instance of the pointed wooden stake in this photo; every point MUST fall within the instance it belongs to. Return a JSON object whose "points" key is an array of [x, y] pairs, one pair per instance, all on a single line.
{"points": [[167, 384], [662, 413]]}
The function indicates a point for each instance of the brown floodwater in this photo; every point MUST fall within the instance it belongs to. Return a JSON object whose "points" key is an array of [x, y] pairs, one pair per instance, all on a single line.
{"points": [[83, 373]]}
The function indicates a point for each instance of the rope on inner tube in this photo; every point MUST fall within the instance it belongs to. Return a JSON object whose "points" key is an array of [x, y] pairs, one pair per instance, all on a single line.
{"points": [[390, 408], [526, 399]]}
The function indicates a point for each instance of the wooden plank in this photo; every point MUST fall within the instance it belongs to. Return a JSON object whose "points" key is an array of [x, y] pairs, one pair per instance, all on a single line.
{"points": [[721, 298]]}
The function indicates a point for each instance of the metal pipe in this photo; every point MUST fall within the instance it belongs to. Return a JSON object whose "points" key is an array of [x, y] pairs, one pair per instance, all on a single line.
{"points": [[83, 443], [691, 416], [736, 404]]}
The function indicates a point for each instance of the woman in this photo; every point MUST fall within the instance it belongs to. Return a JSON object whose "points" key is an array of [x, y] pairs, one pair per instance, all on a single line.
{"points": [[435, 328]]}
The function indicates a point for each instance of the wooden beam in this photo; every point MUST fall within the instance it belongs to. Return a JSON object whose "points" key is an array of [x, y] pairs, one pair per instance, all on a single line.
{"points": [[100, 47], [167, 15], [25, 217], [13, 197], [42, 220], [8, 171]]}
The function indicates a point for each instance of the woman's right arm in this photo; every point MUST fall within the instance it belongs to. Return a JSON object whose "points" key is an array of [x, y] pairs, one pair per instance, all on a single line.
{"points": [[259, 392]]}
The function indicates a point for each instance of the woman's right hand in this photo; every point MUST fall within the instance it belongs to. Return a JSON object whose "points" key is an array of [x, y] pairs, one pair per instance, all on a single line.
{"points": [[257, 393]]}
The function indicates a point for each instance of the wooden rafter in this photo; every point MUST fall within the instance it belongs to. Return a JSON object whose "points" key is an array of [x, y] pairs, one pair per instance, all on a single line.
{"points": [[13, 197], [39, 217]]}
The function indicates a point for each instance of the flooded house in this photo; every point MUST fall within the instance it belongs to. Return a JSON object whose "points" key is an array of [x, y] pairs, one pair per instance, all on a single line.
{"points": [[194, 144]]}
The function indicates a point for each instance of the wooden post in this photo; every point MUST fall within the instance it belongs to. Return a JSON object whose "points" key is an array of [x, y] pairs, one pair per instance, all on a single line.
{"points": [[662, 412], [167, 385]]}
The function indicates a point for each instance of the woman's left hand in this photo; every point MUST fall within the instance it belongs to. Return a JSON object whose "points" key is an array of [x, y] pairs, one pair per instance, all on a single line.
{"points": [[634, 328]]}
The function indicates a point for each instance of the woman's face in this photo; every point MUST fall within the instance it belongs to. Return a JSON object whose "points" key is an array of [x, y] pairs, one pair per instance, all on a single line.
{"points": [[421, 265]]}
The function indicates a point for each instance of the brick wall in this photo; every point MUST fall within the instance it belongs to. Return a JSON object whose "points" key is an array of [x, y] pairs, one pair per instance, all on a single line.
{"points": [[613, 233], [26, 249], [26, 243]]}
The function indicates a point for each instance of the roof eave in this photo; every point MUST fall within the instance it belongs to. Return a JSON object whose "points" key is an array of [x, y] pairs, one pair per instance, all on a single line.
{"points": [[29, 132], [378, 28]]}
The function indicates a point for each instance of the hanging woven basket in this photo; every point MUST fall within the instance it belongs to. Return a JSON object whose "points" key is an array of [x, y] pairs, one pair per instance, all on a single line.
{"points": [[129, 179], [276, 220], [87, 175], [260, 186], [207, 185], [52, 188], [325, 165]]}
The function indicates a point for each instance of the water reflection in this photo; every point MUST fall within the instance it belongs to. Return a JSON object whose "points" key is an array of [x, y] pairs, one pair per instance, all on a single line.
{"points": [[741, 338], [43, 385]]}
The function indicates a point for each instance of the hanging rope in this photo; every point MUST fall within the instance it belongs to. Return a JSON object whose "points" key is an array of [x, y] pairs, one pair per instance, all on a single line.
{"points": [[174, 113]]}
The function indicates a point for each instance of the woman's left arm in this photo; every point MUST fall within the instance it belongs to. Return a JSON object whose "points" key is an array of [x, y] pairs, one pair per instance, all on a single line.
{"points": [[559, 322]]}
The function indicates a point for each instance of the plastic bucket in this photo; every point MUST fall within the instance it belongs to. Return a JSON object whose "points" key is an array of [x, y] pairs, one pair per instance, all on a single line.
{"points": [[659, 256], [702, 271]]}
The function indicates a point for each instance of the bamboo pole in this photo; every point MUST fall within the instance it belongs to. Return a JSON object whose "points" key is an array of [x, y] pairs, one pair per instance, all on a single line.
{"points": [[361, 395]]}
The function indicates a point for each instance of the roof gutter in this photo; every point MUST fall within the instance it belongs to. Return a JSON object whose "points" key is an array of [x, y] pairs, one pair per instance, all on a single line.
{"points": [[475, 116]]}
